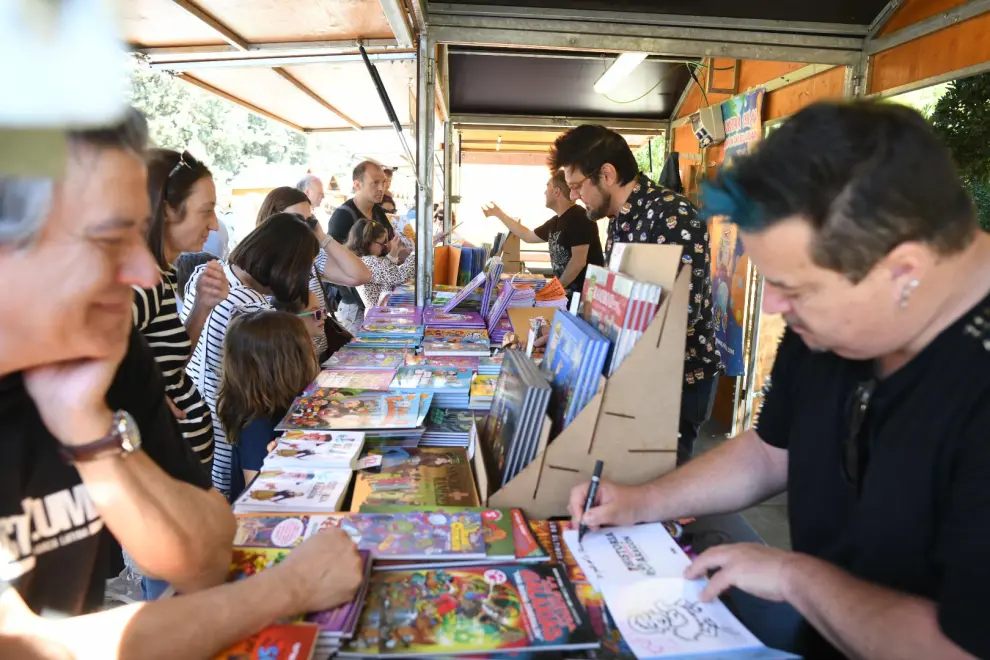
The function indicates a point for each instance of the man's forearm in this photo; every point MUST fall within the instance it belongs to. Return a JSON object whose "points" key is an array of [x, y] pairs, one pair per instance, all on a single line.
{"points": [[190, 626], [344, 267], [524, 233], [740, 472], [572, 270], [864, 620], [173, 530]]}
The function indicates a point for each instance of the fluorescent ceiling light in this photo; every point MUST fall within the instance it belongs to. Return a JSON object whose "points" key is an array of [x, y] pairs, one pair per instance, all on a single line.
{"points": [[622, 66]]}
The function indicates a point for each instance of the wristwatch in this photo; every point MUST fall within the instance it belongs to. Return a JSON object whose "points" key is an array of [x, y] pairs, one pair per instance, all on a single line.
{"points": [[122, 439]]}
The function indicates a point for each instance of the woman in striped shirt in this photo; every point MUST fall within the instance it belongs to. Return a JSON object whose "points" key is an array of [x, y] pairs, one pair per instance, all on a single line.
{"points": [[334, 263], [183, 198], [275, 260]]}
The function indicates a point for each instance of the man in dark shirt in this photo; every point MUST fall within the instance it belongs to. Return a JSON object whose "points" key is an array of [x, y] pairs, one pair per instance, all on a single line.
{"points": [[600, 169], [878, 420], [572, 237], [78, 390], [369, 189]]}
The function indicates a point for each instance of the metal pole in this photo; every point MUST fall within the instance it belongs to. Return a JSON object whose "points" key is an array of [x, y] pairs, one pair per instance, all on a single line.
{"points": [[425, 121], [448, 176]]}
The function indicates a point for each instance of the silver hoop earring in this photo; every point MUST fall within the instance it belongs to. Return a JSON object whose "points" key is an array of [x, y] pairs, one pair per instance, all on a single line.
{"points": [[906, 293]]}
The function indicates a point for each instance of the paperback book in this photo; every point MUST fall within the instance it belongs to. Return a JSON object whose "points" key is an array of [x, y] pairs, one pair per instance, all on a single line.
{"points": [[267, 530], [417, 477], [323, 492], [496, 525], [353, 379], [331, 409], [574, 360], [331, 450], [380, 359], [290, 641], [442, 361]]}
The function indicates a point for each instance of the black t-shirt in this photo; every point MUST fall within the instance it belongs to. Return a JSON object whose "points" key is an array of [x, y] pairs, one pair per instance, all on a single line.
{"points": [[565, 231], [921, 523], [57, 551], [339, 227]]}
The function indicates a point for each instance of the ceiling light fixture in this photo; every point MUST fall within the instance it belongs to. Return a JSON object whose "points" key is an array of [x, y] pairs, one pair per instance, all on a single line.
{"points": [[623, 65]]}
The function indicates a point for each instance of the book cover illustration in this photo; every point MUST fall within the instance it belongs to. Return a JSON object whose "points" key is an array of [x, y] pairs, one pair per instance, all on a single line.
{"points": [[381, 342], [483, 386], [417, 477], [335, 450], [291, 641], [263, 530], [351, 409], [274, 494], [449, 421], [458, 361], [496, 524], [381, 359], [527, 547], [503, 423], [392, 328], [436, 317], [432, 379], [468, 336], [246, 562], [353, 379], [465, 293], [475, 610], [411, 534]]}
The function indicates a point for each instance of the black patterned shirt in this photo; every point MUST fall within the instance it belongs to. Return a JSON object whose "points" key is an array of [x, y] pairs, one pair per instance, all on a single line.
{"points": [[654, 214]]}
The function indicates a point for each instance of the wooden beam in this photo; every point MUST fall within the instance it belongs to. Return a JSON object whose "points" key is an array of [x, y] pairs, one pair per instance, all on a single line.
{"points": [[228, 35], [233, 99], [316, 97]]}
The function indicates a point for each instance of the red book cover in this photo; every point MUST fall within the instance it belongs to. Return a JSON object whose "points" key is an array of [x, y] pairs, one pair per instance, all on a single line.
{"points": [[296, 641]]}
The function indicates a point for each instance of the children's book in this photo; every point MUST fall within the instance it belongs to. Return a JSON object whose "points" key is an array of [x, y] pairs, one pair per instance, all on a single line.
{"points": [[417, 477], [496, 524], [328, 450], [433, 379], [353, 379], [574, 360], [265, 530], [460, 362], [379, 359], [470, 611], [290, 641], [413, 534], [329, 409], [464, 293], [273, 494]]}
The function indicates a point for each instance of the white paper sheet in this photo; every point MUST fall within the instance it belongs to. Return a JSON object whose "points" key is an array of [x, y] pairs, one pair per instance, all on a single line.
{"points": [[621, 554]]}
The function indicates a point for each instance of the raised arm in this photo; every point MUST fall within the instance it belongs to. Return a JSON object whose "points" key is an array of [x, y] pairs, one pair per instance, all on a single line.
{"points": [[341, 266], [526, 234]]}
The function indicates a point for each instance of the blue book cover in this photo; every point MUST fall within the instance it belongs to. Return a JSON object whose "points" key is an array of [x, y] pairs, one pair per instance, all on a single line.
{"points": [[433, 379], [574, 359]]}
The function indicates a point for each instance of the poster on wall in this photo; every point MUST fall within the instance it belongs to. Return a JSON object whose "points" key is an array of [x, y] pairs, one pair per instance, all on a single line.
{"points": [[742, 116]]}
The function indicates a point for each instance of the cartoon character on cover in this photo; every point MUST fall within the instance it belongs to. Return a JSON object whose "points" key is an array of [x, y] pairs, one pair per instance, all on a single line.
{"points": [[725, 267], [273, 495], [684, 619]]}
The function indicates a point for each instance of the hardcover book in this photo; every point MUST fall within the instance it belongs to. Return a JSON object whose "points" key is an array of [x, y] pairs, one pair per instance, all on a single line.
{"points": [[417, 477]]}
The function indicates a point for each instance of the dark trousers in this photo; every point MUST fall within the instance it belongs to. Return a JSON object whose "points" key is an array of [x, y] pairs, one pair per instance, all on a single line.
{"points": [[696, 408]]}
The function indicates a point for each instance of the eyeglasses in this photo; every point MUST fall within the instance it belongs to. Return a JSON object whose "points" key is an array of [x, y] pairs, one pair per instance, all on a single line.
{"points": [[854, 451], [383, 244], [317, 314], [185, 160]]}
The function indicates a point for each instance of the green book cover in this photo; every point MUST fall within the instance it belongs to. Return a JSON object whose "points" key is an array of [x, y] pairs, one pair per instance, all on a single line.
{"points": [[497, 523]]}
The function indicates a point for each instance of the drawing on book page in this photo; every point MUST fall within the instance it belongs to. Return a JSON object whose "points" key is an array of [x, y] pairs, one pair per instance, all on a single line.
{"points": [[684, 619]]}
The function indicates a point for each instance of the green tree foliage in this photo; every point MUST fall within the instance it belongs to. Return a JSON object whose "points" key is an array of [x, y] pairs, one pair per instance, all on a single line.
{"points": [[962, 119], [654, 147], [223, 134]]}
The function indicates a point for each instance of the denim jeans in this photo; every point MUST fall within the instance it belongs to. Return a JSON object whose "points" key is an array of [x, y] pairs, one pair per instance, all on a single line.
{"points": [[696, 409], [152, 589]]}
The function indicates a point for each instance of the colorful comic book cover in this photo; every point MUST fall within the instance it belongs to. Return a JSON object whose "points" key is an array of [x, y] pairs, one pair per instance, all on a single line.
{"points": [[476, 610], [328, 409], [353, 379], [246, 562], [497, 525], [323, 493], [264, 530], [483, 386], [462, 362], [333, 450], [469, 336], [417, 477], [411, 535], [528, 548], [432, 379], [291, 641], [449, 421], [382, 359]]}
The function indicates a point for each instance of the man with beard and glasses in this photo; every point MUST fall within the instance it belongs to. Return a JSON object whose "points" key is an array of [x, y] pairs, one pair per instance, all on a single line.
{"points": [[878, 422], [601, 171]]}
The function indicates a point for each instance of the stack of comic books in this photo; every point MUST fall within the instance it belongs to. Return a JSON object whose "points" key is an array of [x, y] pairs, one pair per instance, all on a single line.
{"points": [[437, 318], [406, 314], [294, 489], [448, 427], [471, 610], [482, 391], [378, 380], [491, 366], [511, 435], [456, 342], [459, 361], [380, 359], [386, 413], [450, 386], [397, 328], [574, 360], [620, 307], [426, 476]]}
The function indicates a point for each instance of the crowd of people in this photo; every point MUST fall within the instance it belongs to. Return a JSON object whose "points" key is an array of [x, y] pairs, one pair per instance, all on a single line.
{"points": [[141, 381]]}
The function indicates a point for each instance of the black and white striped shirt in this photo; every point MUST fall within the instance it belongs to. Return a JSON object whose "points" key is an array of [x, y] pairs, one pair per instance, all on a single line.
{"points": [[316, 286], [206, 365], [156, 316]]}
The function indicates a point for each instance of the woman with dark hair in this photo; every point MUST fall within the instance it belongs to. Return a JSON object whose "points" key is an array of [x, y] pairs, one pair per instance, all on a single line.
{"points": [[369, 240], [183, 198], [268, 361], [275, 260], [333, 262]]}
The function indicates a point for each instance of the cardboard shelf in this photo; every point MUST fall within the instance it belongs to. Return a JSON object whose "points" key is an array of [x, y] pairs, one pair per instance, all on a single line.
{"points": [[632, 421]]}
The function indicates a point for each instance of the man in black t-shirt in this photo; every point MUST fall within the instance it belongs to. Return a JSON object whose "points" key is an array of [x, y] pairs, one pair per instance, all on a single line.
{"points": [[369, 189], [572, 237], [91, 453], [878, 420]]}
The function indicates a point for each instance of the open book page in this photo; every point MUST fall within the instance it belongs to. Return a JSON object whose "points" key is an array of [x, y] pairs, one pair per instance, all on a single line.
{"points": [[622, 554]]}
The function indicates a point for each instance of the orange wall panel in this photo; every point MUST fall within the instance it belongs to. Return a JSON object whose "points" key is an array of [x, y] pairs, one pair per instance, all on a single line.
{"points": [[788, 100], [753, 73], [914, 11], [955, 47]]}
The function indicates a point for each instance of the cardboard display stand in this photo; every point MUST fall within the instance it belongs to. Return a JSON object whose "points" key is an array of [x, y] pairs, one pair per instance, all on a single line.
{"points": [[631, 423], [511, 261]]}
